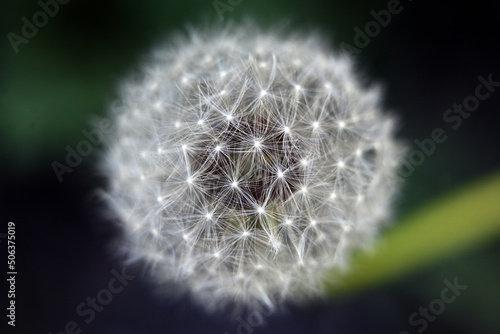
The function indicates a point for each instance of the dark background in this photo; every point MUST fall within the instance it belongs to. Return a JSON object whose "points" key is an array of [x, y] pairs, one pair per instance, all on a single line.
{"points": [[427, 59]]}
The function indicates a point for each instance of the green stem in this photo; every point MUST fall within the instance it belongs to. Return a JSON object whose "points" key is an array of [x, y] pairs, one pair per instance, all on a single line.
{"points": [[454, 223]]}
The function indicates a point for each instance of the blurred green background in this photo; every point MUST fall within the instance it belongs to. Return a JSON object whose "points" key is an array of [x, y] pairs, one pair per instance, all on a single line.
{"points": [[427, 59]]}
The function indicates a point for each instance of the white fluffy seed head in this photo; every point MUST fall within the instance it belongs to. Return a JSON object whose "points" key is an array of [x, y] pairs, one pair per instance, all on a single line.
{"points": [[264, 165]]}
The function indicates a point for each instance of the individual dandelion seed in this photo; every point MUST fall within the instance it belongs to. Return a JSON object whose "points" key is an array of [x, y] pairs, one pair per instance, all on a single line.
{"points": [[247, 164]]}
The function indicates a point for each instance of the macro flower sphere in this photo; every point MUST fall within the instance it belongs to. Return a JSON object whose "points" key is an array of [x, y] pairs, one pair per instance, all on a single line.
{"points": [[247, 164]]}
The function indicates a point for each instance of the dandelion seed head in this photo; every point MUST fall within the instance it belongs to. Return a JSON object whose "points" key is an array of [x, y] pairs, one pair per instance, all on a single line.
{"points": [[248, 209]]}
